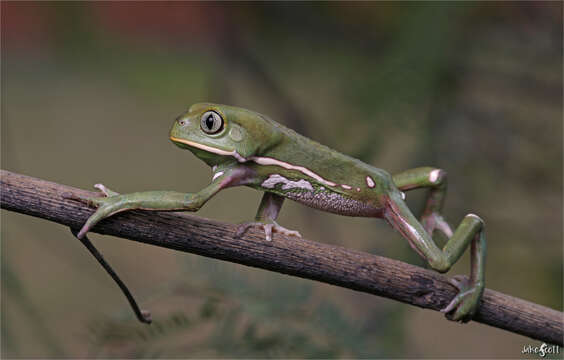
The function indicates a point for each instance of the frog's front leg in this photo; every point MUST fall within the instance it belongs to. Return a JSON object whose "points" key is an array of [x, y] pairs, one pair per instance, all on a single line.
{"points": [[266, 217], [149, 200], [436, 180], [470, 231], [114, 203]]}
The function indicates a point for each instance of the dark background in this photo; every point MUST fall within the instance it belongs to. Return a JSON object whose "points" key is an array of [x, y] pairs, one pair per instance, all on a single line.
{"points": [[90, 90]]}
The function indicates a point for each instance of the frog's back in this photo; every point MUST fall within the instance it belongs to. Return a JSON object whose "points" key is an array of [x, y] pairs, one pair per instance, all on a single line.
{"points": [[320, 177], [336, 166]]}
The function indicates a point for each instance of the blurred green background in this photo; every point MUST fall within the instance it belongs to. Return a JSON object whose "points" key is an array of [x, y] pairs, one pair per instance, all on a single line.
{"points": [[90, 90]]}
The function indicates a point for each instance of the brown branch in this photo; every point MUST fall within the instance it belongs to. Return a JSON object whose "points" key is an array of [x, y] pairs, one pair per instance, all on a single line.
{"points": [[299, 257]]}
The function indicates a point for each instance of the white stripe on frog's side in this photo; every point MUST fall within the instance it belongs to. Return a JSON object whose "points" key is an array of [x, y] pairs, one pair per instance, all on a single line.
{"points": [[275, 179], [270, 161], [217, 174], [260, 160]]}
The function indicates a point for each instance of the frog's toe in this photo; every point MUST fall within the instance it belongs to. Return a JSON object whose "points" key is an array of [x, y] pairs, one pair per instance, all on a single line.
{"points": [[457, 301], [242, 228], [100, 214], [460, 282], [83, 231], [268, 227], [80, 198], [106, 191], [267, 231], [106, 208], [94, 201], [282, 230], [463, 306]]}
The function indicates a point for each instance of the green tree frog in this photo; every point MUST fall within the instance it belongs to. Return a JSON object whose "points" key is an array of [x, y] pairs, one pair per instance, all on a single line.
{"points": [[246, 148]]}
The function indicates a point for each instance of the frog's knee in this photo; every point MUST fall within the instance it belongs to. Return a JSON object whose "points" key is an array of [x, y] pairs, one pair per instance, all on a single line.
{"points": [[441, 265], [437, 176], [475, 218]]}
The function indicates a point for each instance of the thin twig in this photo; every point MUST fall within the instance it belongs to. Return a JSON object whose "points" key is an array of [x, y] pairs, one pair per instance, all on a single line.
{"points": [[299, 257], [142, 315]]}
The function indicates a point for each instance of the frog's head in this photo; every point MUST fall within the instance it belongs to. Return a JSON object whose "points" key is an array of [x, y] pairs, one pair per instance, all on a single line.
{"points": [[219, 133]]}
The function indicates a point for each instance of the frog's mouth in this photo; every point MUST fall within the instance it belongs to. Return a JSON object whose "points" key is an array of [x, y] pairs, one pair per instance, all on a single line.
{"points": [[210, 149]]}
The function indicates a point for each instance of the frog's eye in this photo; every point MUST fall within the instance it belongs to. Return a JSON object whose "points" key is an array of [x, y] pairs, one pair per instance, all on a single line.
{"points": [[211, 122]]}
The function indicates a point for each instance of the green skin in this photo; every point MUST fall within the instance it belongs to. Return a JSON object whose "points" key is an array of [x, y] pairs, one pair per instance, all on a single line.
{"points": [[247, 148]]}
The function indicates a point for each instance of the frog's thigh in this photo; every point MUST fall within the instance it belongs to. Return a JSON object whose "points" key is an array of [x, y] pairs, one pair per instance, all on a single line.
{"points": [[420, 177]]}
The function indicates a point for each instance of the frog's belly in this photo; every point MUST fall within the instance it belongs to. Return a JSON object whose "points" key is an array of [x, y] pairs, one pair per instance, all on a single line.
{"points": [[335, 203]]}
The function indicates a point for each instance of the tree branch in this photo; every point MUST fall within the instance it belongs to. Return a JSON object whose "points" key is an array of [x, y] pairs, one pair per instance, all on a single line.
{"points": [[298, 257]]}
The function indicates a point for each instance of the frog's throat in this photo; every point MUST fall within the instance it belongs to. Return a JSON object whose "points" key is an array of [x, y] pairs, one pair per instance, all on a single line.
{"points": [[261, 160]]}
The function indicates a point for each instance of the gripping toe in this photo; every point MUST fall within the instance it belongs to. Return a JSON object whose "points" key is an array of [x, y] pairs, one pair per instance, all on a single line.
{"points": [[268, 227]]}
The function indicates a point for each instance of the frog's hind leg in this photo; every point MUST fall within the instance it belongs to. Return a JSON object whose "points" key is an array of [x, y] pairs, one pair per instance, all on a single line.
{"points": [[267, 213], [436, 180], [469, 232]]}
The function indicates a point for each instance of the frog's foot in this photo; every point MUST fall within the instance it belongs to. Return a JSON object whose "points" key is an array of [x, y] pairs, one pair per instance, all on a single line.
{"points": [[464, 305], [268, 227], [105, 190], [434, 221], [106, 205], [90, 201]]}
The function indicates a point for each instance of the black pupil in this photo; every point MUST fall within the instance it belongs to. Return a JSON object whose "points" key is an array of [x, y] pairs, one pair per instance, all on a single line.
{"points": [[209, 121]]}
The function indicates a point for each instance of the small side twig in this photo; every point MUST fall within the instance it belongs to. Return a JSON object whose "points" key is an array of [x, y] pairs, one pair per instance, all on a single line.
{"points": [[142, 315], [298, 257]]}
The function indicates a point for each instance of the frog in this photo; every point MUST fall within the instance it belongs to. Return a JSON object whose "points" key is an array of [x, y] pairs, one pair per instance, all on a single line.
{"points": [[246, 148]]}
